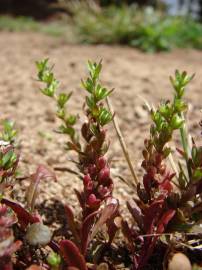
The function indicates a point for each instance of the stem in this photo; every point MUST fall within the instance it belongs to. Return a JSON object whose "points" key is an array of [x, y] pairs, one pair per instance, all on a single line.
{"points": [[122, 143], [172, 162], [185, 144]]}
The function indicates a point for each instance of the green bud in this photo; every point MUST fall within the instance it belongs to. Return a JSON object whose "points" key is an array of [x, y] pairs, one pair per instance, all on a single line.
{"points": [[197, 175], [176, 122], [54, 259], [71, 120], [104, 117], [62, 99]]}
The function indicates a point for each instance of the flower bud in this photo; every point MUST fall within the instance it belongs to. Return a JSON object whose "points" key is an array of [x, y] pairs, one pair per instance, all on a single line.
{"points": [[86, 179], [88, 183], [104, 174], [93, 201], [101, 163]]}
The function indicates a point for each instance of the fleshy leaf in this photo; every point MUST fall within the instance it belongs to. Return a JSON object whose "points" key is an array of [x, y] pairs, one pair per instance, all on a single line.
{"points": [[71, 254], [24, 217], [108, 212]]}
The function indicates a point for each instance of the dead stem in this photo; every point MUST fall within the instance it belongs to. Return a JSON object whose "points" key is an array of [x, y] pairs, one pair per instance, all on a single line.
{"points": [[122, 143]]}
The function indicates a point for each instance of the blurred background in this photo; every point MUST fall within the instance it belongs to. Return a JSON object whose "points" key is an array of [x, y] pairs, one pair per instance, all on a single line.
{"points": [[41, 9], [151, 26]]}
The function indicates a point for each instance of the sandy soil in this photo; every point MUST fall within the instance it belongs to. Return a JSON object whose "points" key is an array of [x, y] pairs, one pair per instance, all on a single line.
{"points": [[129, 71]]}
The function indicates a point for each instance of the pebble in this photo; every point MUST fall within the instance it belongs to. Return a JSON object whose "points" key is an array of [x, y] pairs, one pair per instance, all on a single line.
{"points": [[179, 261], [38, 234]]}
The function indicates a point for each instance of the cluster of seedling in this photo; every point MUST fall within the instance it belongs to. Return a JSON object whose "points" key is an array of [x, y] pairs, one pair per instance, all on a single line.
{"points": [[167, 204]]}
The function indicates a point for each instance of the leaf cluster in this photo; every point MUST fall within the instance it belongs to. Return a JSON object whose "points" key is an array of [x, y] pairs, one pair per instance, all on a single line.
{"points": [[47, 77], [97, 93]]}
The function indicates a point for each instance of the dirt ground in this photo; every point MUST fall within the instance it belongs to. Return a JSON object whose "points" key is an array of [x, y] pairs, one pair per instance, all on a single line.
{"points": [[130, 72]]}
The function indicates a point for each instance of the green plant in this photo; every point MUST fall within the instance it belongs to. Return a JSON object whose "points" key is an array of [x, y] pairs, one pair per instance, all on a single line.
{"points": [[161, 208], [146, 29], [27, 24], [167, 205], [96, 200]]}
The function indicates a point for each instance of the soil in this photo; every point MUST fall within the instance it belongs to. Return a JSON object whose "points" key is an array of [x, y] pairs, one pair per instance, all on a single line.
{"points": [[136, 77]]}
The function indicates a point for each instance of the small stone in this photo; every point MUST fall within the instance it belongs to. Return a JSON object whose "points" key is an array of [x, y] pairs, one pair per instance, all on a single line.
{"points": [[38, 234], [179, 261], [103, 266]]}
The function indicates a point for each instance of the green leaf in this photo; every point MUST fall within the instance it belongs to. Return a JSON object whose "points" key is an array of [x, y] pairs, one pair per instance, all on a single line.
{"points": [[54, 259], [8, 133], [104, 117], [176, 122], [197, 175], [71, 120], [61, 113], [90, 102], [88, 85], [62, 99], [101, 92], [180, 105], [8, 159], [67, 130], [165, 110]]}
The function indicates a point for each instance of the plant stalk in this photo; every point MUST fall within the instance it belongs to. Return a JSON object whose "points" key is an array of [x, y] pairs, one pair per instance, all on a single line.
{"points": [[122, 143]]}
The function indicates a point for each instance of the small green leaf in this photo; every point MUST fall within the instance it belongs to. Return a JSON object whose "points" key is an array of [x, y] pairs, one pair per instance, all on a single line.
{"points": [[8, 133], [61, 113], [101, 92], [90, 102], [54, 259], [67, 130], [8, 159], [176, 122], [62, 99], [104, 117], [197, 175], [88, 85], [71, 120]]}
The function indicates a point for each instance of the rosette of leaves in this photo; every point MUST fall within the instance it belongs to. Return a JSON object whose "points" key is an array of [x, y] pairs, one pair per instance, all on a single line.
{"points": [[158, 201], [98, 205]]}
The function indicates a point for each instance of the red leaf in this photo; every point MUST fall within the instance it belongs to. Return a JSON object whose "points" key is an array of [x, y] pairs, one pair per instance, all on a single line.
{"points": [[136, 213], [24, 217], [72, 224], [72, 255], [80, 197], [128, 234], [108, 212], [165, 219], [152, 214], [85, 231], [41, 173]]}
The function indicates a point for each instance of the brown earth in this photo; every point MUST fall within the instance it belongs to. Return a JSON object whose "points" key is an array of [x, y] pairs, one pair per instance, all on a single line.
{"points": [[130, 72]]}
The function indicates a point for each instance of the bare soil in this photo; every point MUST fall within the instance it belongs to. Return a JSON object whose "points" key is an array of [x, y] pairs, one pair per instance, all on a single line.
{"points": [[134, 75]]}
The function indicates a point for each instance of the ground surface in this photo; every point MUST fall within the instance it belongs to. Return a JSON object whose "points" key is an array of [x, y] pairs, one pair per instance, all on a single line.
{"points": [[130, 72]]}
